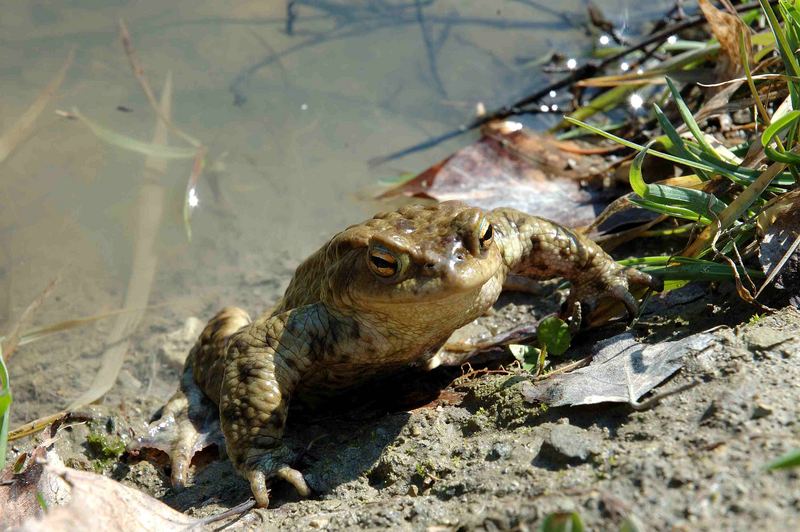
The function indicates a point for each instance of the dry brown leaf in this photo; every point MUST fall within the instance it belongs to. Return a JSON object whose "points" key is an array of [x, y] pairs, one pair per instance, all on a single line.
{"points": [[775, 208], [779, 255], [18, 491], [45, 495], [726, 28], [622, 371], [513, 167], [99, 503]]}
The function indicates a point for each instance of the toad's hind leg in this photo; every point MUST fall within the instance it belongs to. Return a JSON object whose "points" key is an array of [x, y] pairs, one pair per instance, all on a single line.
{"points": [[189, 422]]}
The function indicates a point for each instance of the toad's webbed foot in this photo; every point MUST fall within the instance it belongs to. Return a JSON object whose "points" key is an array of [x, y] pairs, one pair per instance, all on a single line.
{"points": [[188, 424], [607, 279]]}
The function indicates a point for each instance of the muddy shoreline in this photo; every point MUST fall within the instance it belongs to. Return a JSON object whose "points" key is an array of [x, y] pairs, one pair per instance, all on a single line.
{"points": [[478, 456]]}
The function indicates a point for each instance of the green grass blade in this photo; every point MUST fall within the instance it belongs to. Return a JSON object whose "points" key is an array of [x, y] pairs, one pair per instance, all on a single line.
{"points": [[700, 201], [678, 144], [681, 61], [741, 175], [787, 121], [784, 47], [688, 119], [639, 147], [675, 201], [779, 125], [790, 29], [791, 15], [575, 133], [750, 83], [5, 408], [782, 156], [686, 268], [677, 212], [562, 522], [635, 174], [672, 133], [791, 459], [737, 174]]}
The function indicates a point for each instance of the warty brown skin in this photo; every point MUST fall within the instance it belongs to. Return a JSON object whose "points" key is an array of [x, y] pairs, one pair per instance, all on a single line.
{"points": [[380, 296]]}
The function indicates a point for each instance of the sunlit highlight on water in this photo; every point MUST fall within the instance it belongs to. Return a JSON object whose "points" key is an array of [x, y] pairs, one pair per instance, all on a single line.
{"points": [[193, 200]]}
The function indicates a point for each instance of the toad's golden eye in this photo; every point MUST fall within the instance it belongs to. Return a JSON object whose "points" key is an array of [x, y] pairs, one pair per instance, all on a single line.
{"points": [[383, 262], [487, 233]]}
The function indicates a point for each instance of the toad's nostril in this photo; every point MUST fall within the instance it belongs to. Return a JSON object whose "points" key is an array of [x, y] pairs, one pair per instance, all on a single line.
{"points": [[460, 256]]}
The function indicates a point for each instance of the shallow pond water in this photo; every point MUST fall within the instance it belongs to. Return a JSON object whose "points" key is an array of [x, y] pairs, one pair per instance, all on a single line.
{"points": [[290, 98]]}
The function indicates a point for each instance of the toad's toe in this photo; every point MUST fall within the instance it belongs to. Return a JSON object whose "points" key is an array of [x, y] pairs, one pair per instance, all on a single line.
{"points": [[260, 474]]}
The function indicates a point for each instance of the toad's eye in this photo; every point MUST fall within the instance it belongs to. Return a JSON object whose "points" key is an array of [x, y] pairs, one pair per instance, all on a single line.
{"points": [[487, 234], [382, 262]]}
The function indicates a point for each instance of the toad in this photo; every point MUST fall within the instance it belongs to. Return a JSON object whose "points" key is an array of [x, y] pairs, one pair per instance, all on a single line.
{"points": [[379, 296]]}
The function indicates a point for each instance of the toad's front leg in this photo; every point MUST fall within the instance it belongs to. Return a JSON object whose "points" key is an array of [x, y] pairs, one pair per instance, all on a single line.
{"points": [[264, 363], [541, 249]]}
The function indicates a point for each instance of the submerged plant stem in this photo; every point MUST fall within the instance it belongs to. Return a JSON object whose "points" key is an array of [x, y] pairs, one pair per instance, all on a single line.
{"points": [[138, 72], [12, 138], [150, 211]]}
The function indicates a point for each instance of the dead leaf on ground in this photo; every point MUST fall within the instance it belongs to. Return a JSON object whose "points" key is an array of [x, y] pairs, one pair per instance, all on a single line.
{"points": [[776, 208], [622, 370], [726, 28], [479, 349], [510, 166], [18, 491], [779, 251], [79, 500]]}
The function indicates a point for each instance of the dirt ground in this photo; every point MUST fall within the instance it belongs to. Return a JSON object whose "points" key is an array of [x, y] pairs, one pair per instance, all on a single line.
{"points": [[438, 452]]}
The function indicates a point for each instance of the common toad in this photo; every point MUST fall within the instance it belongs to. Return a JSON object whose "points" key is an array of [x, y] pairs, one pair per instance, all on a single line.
{"points": [[379, 296]]}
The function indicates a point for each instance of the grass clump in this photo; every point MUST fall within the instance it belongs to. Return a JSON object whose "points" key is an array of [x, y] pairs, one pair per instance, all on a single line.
{"points": [[718, 162]]}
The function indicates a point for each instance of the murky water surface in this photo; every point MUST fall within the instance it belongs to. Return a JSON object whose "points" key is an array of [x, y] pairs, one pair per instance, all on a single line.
{"points": [[290, 98]]}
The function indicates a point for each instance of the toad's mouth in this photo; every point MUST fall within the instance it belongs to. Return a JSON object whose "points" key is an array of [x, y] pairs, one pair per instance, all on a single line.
{"points": [[437, 289]]}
